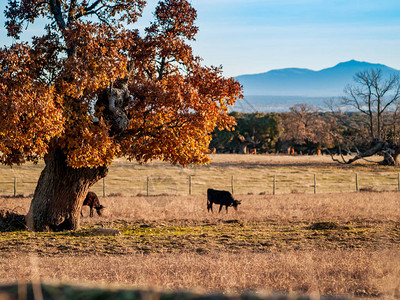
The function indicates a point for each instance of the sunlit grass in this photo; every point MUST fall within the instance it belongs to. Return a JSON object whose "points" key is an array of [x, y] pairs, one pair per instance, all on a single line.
{"points": [[250, 174], [172, 242]]}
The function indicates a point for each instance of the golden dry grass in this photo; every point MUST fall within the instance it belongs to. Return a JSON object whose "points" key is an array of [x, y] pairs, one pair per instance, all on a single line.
{"points": [[373, 206], [251, 174], [289, 264], [289, 207], [354, 272], [267, 244]]}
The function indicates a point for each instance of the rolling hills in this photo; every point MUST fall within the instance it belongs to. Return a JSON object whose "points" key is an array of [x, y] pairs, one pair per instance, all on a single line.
{"points": [[276, 90]]}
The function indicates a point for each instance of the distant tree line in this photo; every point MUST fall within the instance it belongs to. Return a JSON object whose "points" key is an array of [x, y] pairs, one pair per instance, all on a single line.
{"points": [[302, 130], [369, 125]]}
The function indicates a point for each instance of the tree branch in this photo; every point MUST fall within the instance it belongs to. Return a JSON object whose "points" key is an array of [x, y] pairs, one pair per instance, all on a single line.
{"points": [[90, 9], [55, 8]]}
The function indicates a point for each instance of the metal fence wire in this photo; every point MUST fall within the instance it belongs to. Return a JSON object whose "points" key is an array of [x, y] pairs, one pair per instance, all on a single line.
{"points": [[152, 185]]}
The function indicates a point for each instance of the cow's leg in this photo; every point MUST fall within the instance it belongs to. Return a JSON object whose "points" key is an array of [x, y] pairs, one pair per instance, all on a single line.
{"points": [[220, 207], [91, 211], [226, 208]]}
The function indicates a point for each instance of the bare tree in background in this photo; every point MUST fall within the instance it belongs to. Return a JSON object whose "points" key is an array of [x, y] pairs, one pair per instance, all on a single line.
{"points": [[304, 124], [377, 98]]}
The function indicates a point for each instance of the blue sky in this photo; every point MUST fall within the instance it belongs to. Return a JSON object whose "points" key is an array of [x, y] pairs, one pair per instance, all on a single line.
{"points": [[254, 36]]}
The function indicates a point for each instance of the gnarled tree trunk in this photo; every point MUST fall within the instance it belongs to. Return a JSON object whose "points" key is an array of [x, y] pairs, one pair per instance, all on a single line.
{"points": [[61, 190], [60, 193]]}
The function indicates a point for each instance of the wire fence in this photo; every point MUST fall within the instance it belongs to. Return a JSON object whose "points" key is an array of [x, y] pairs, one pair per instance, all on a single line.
{"points": [[197, 185]]}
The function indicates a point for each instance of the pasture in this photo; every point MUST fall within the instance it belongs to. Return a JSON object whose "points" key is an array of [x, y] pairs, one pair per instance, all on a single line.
{"points": [[335, 242], [250, 173]]}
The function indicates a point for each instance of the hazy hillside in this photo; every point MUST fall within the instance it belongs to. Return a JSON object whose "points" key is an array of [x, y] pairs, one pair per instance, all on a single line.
{"points": [[268, 103], [308, 83], [277, 90]]}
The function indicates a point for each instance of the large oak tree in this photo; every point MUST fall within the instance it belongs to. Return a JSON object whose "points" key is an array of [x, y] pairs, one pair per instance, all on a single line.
{"points": [[89, 90]]}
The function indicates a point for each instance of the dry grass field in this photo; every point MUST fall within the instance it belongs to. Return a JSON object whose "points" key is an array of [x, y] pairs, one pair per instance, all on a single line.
{"points": [[251, 174], [294, 242]]}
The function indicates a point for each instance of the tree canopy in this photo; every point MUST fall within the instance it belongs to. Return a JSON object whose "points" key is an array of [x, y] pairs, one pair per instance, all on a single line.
{"points": [[90, 90], [259, 131], [97, 90]]}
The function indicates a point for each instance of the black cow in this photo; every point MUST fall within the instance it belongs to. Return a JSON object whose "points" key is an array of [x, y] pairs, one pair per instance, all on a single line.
{"points": [[92, 201], [222, 198]]}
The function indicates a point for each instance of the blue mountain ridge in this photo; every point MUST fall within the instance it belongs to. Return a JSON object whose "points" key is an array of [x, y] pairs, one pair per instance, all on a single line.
{"points": [[328, 82], [278, 90]]}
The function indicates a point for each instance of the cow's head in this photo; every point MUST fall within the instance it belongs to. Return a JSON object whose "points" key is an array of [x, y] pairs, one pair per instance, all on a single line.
{"points": [[235, 203], [99, 209]]}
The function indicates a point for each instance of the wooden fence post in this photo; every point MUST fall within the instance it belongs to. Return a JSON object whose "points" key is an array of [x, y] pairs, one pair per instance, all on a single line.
{"points": [[315, 183], [232, 184], [147, 185], [274, 185], [190, 184], [15, 186], [356, 182]]}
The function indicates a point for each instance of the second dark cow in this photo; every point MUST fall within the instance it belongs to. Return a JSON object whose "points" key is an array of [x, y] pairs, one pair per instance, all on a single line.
{"points": [[92, 201], [222, 198]]}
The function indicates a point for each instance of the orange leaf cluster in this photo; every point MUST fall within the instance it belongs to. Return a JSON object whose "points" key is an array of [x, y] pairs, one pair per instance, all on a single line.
{"points": [[97, 61], [29, 116], [49, 90], [88, 144]]}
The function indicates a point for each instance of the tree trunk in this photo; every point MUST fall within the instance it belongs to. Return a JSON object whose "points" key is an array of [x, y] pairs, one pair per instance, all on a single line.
{"points": [[59, 194], [243, 149], [396, 156]]}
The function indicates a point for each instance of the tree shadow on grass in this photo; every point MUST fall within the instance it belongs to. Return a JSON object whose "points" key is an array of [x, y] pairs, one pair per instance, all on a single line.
{"points": [[11, 221]]}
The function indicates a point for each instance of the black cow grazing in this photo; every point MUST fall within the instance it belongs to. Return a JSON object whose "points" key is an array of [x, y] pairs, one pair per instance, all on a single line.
{"points": [[222, 198], [92, 201]]}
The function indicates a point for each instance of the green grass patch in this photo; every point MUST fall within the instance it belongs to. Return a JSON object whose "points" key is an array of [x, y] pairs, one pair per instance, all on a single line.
{"points": [[230, 236]]}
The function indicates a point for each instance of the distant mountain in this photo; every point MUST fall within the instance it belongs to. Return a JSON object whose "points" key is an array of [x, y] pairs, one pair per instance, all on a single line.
{"points": [[307, 83]]}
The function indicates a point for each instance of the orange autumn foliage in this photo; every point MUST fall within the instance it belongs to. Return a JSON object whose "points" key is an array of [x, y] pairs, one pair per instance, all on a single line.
{"points": [[29, 115], [50, 88]]}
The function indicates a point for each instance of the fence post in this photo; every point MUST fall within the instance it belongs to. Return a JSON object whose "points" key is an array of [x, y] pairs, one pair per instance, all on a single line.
{"points": [[356, 182], [232, 184], [15, 186], [104, 187], [147, 185], [190, 184], [274, 185], [315, 183]]}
